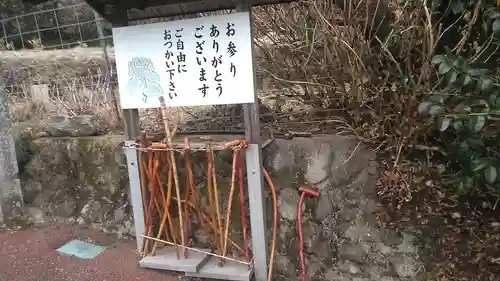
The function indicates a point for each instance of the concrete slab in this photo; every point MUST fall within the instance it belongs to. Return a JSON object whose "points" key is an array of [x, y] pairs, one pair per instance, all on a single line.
{"points": [[81, 249], [166, 259], [230, 271]]}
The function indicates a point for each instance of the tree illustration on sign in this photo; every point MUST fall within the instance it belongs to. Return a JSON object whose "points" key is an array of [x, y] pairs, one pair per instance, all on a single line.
{"points": [[143, 78]]}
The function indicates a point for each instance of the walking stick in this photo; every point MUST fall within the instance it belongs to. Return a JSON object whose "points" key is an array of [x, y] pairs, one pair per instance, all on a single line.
{"points": [[230, 200], [167, 217], [174, 167], [303, 192], [216, 197]]}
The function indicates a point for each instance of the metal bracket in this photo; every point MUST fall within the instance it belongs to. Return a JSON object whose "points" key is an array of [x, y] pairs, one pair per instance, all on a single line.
{"points": [[130, 151]]}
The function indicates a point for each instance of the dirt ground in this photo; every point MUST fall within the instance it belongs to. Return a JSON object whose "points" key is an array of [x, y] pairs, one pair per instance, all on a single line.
{"points": [[30, 255]]}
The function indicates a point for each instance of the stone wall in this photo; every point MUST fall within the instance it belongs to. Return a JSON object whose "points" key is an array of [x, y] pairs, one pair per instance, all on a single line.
{"points": [[70, 173], [83, 179], [10, 190], [341, 238]]}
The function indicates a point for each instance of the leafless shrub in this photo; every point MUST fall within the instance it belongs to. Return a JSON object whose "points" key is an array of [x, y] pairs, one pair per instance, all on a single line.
{"points": [[84, 95], [323, 57]]}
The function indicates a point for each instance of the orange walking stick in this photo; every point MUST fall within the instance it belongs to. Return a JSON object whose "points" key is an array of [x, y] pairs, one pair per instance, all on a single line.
{"points": [[230, 201], [174, 167]]}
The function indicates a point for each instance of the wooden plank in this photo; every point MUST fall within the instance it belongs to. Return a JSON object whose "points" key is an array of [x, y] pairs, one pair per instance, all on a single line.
{"points": [[192, 7], [170, 8]]}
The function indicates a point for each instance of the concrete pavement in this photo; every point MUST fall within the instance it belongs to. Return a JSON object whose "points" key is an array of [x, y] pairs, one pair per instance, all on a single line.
{"points": [[30, 255]]}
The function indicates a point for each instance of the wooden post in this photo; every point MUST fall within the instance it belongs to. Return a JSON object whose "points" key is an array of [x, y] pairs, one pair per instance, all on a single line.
{"points": [[131, 115]]}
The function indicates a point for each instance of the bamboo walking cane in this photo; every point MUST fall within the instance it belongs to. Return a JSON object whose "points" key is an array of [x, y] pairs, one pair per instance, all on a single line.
{"points": [[230, 201], [213, 227], [149, 215], [162, 189], [174, 166], [211, 197], [167, 217], [153, 201], [185, 231], [216, 197]]}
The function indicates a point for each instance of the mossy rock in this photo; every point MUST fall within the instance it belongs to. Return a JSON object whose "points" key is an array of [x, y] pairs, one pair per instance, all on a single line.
{"points": [[79, 170], [23, 134]]}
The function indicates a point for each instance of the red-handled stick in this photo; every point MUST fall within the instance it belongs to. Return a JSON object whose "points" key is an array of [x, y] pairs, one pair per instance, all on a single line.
{"points": [[303, 192]]}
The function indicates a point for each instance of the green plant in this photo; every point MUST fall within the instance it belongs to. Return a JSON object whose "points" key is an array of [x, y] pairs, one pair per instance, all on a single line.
{"points": [[465, 102], [466, 111], [380, 88]]}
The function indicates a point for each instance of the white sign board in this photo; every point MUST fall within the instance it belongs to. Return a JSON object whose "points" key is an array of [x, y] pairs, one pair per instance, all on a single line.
{"points": [[202, 61]]}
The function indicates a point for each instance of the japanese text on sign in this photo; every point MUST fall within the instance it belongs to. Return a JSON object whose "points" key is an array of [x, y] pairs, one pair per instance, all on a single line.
{"points": [[203, 61]]}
